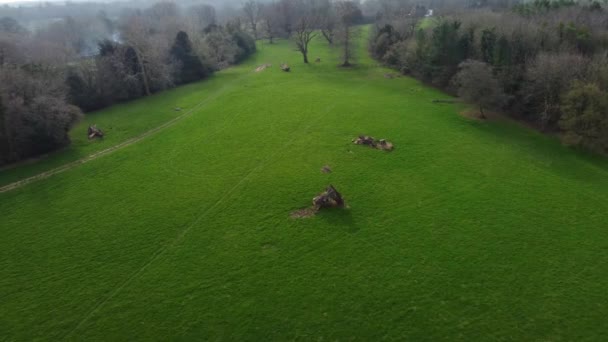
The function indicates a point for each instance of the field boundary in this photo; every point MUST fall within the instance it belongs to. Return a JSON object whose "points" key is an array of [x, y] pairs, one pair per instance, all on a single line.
{"points": [[126, 143]]}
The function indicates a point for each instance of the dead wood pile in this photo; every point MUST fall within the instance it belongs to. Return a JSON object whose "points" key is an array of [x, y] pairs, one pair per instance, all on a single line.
{"points": [[330, 198], [94, 132], [381, 144]]}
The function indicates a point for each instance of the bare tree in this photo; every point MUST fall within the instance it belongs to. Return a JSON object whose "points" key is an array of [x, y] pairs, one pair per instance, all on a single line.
{"points": [[348, 13], [201, 16], [151, 48], [135, 35], [549, 76], [305, 32], [253, 11], [477, 84], [287, 14], [328, 21], [270, 21]]}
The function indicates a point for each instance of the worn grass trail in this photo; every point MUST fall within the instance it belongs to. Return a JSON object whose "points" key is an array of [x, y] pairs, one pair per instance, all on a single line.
{"points": [[467, 231]]}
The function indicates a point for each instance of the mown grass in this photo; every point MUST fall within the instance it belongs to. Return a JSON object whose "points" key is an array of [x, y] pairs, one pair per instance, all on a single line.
{"points": [[124, 121], [467, 231]]}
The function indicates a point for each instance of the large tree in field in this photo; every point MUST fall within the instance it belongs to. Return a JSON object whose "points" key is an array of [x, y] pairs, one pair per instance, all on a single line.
{"points": [[190, 68], [348, 14], [476, 84], [305, 28]]}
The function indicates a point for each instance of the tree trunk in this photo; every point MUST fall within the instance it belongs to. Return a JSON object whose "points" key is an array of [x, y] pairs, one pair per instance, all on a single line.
{"points": [[328, 37], [143, 72], [6, 134], [482, 115], [305, 54]]}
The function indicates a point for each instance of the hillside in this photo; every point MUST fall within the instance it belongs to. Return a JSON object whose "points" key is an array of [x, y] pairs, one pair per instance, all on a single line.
{"points": [[469, 230]]}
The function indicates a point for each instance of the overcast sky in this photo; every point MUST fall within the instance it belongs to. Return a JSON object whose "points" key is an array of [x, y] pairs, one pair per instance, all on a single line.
{"points": [[22, 1]]}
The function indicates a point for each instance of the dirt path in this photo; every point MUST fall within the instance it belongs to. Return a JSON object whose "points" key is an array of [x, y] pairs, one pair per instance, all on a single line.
{"points": [[134, 140]]}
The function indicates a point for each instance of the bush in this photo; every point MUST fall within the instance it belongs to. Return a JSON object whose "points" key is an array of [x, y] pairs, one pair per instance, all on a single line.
{"points": [[246, 45]]}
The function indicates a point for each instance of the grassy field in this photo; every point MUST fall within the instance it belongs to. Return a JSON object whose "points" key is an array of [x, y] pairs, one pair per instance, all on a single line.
{"points": [[467, 231]]}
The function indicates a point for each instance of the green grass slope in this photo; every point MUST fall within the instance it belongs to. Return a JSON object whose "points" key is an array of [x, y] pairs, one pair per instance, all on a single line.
{"points": [[467, 231]]}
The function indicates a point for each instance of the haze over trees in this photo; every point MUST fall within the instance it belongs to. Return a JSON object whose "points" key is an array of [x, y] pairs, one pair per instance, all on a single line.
{"points": [[86, 61]]}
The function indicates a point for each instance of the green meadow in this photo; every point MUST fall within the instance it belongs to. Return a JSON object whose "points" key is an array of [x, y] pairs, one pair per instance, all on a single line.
{"points": [[467, 231]]}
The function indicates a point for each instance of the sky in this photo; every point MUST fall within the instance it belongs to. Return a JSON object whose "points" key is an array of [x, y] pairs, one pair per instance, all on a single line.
{"points": [[23, 1]]}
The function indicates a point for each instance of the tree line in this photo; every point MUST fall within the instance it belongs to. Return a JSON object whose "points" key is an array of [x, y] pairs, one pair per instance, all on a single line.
{"points": [[51, 75], [544, 61]]}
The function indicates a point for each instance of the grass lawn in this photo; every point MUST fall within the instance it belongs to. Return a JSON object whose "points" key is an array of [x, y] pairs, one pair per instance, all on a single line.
{"points": [[467, 231]]}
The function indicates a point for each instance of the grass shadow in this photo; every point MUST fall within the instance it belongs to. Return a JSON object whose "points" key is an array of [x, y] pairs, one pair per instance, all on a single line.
{"points": [[338, 217], [547, 150]]}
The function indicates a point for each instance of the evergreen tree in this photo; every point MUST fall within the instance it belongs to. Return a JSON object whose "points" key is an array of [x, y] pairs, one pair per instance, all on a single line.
{"points": [[190, 66], [488, 45], [502, 55]]}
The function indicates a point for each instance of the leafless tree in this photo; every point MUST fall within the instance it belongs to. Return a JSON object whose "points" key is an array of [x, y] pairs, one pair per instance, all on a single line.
{"points": [[270, 21], [135, 34], [204, 14], [305, 31], [346, 32], [548, 76], [288, 12], [476, 83], [328, 21], [151, 49], [253, 12]]}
